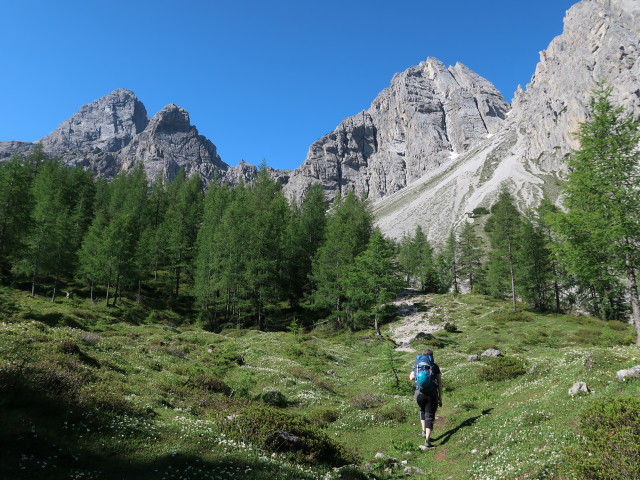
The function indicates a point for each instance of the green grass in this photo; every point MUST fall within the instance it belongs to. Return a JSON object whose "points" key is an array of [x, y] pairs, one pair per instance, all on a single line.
{"points": [[85, 394]]}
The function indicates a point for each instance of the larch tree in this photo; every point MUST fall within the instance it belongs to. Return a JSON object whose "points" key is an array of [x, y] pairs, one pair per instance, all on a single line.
{"points": [[601, 226], [503, 227]]}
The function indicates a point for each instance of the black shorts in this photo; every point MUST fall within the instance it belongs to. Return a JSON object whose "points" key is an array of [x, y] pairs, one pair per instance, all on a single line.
{"points": [[428, 403]]}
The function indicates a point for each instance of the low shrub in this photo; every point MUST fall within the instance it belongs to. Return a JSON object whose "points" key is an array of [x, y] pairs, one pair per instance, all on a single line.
{"points": [[366, 400], [324, 416], [210, 384], [502, 368], [617, 325], [274, 398], [391, 413], [509, 317], [611, 450], [450, 327], [278, 431]]}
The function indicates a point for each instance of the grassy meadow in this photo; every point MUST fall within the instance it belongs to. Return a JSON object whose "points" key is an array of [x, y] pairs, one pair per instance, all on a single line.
{"points": [[88, 392]]}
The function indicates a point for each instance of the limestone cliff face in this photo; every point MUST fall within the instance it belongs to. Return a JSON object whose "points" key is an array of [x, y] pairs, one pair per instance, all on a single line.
{"points": [[600, 42], [429, 114], [170, 143], [106, 125], [113, 133]]}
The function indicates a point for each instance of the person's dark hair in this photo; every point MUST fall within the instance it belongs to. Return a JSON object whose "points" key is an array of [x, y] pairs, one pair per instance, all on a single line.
{"points": [[428, 351]]}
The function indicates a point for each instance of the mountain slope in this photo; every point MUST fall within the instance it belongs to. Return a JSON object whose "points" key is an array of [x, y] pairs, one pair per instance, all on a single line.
{"points": [[428, 114], [600, 42]]}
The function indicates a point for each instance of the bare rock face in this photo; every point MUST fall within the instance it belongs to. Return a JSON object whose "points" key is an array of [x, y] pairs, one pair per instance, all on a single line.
{"points": [[428, 115], [170, 143], [113, 133], [528, 152], [106, 125]]}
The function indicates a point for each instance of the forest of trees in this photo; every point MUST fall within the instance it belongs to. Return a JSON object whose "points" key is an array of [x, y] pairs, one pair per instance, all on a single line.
{"points": [[241, 255]]}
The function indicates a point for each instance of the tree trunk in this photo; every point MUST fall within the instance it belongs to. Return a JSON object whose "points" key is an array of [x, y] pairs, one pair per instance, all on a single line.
{"points": [[106, 300], [376, 325], [177, 281], [513, 279], [55, 287], [91, 293], [556, 289], [116, 292], [33, 284], [635, 302]]}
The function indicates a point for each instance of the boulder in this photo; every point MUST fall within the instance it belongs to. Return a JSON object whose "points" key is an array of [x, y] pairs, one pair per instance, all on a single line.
{"points": [[633, 372], [413, 471], [283, 441], [579, 388], [492, 353], [473, 358]]}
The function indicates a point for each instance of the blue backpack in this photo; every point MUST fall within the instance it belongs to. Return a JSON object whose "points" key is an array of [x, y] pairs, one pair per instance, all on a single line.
{"points": [[425, 378]]}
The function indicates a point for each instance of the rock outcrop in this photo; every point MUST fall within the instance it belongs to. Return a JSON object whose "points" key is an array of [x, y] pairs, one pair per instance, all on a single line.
{"points": [[428, 115], [170, 143]]}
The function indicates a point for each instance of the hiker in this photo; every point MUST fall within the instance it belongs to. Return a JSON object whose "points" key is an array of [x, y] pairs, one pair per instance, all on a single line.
{"points": [[428, 393]]}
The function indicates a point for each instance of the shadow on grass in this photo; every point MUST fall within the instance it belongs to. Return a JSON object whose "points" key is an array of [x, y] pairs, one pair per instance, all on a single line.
{"points": [[51, 436], [446, 436], [55, 319]]}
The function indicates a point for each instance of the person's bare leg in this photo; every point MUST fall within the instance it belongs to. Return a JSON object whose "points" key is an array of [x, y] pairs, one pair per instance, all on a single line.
{"points": [[424, 425]]}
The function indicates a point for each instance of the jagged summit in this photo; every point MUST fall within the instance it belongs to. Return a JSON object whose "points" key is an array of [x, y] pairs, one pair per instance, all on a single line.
{"points": [[429, 114]]}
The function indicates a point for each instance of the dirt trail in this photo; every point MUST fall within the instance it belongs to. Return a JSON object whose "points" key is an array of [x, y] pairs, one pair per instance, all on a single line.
{"points": [[413, 321]]}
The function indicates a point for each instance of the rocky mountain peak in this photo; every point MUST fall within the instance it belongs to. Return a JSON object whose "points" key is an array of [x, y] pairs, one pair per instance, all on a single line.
{"points": [[104, 125], [171, 118], [429, 114], [527, 151]]}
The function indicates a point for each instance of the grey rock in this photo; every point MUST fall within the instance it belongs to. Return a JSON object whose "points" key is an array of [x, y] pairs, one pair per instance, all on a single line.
{"points": [[106, 125], [413, 471], [284, 441], [579, 388], [428, 114], [332, 372], [633, 372], [170, 143], [473, 358], [113, 133], [491, 353]]}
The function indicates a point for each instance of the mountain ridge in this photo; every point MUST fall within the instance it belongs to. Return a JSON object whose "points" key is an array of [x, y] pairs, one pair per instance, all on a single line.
{"points": [[435, 144]]}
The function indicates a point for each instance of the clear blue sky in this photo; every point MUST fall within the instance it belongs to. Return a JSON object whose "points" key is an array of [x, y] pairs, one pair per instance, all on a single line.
{"points": [[260, 79]]}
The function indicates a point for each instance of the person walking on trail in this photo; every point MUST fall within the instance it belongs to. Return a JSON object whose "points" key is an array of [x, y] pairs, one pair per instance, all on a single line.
{"points": [[428, 391]]}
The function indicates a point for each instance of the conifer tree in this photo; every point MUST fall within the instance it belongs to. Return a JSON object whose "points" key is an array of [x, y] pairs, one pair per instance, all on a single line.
{"points": [[49, 241], [349, 227], [372, 281], [179, 228], [16, 202], [534, 264], [305, 235], [470, 255], [601, 227], [268, 220], [503, 228]]}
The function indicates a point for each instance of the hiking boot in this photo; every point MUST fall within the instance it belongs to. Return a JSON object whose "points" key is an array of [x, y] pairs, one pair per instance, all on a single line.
{"points": [[428, 444]]}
